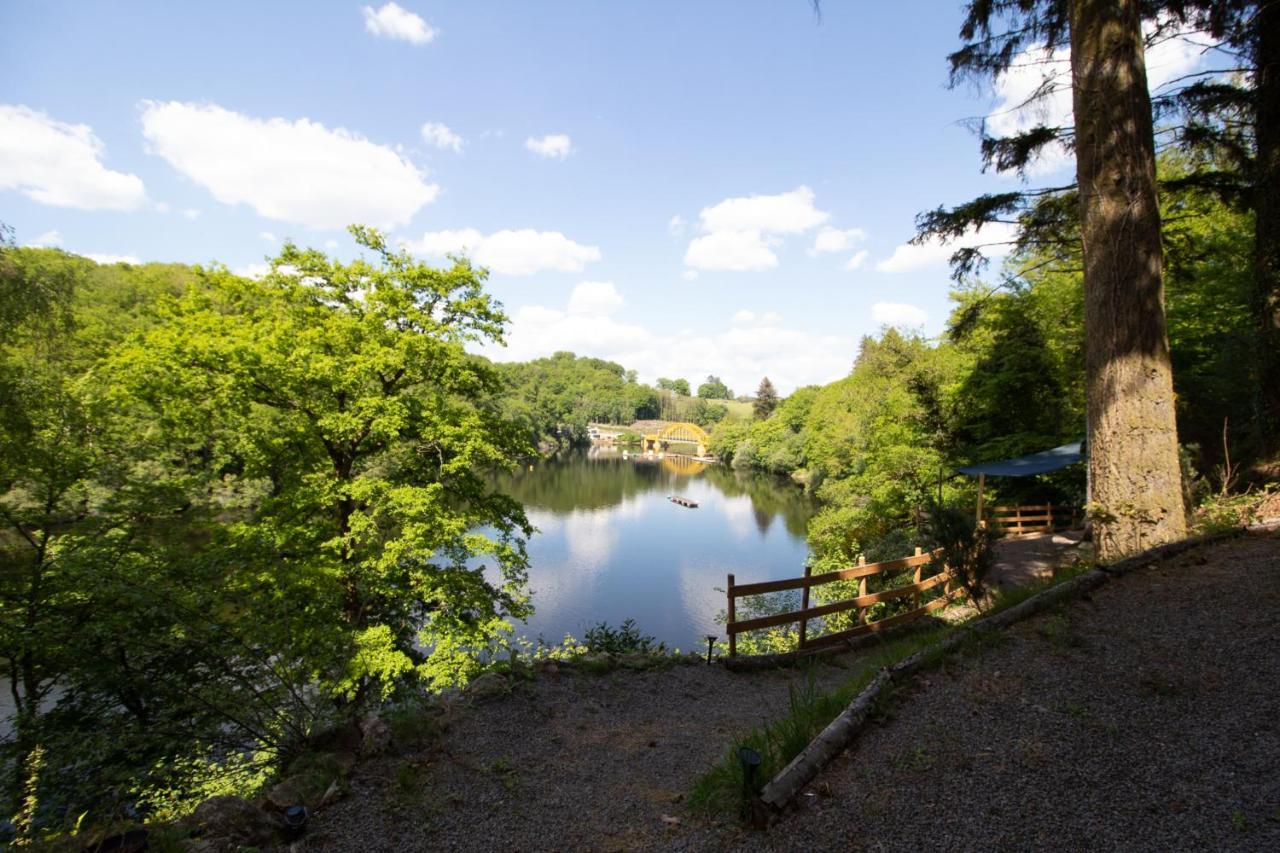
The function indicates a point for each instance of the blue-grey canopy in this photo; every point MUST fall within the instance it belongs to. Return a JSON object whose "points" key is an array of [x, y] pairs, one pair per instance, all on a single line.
{"points": [[1031, 464]]}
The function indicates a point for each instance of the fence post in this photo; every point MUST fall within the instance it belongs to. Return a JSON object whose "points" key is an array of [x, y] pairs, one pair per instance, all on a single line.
{"points": [[982, 481], [916, 577], [804, 603], [862, 590], [733, 638]]}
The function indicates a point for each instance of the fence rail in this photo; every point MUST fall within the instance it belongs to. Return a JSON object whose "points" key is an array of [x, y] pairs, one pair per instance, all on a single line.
{"points": [[1036, 518], [920, 584]]}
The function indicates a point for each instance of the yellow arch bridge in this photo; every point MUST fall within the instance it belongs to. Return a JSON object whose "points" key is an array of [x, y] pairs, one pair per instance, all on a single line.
{"points": [[678, 433]]}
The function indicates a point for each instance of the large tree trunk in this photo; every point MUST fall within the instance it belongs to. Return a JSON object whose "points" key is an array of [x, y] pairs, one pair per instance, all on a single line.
{"points": [[1133, 452], [1267, 212]]}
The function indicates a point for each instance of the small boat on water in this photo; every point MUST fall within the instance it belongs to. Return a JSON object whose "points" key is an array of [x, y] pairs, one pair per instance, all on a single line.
{"points": [[689, 502]]}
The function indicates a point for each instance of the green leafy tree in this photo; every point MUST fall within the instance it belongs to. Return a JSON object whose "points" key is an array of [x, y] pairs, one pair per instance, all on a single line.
{"points": [[705, 413], [557, 397], [714, 389], [350, 394], [766, 400], [681, 386]]}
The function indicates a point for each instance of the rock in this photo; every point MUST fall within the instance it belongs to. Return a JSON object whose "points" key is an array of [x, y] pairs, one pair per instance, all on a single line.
{"points": [[306, 789], [636, 661], [229, 823], [375, 735], [344, 761], [344, 738], [309, 780], [488, 686], [329, 763], [547, 667]]}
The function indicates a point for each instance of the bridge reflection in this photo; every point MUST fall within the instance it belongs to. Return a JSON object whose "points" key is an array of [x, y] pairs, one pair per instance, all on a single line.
{"points": [[675, 463]]}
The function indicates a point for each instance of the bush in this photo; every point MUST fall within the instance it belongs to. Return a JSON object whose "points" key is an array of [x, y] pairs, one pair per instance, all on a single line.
{"points": [[625, 639], [966, 548]]}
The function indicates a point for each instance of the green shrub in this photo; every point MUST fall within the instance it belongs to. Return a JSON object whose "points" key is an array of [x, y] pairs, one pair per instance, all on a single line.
{"points": [[625, 639]]}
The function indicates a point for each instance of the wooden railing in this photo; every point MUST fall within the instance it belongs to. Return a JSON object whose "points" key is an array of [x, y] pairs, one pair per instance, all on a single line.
{"points": [[920, 584], [1043, 518]]}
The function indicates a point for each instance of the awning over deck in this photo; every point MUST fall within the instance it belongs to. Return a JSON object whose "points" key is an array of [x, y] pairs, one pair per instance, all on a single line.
{"points": [[1031, 464]]}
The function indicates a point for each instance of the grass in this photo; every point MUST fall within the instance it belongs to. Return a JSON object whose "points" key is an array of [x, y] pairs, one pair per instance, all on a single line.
{"points": [[723, 788]]}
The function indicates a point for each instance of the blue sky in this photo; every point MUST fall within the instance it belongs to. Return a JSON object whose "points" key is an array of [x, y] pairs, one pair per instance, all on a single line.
{"points": [[687, 188]]}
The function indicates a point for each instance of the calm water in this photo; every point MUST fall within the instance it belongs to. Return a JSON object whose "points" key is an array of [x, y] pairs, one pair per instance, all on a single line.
{"points": [[610, 546]]}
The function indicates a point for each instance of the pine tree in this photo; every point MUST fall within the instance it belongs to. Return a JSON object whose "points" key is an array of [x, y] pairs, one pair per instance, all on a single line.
{"points": [[766, 399], [1133, 450], [1134, 468]]}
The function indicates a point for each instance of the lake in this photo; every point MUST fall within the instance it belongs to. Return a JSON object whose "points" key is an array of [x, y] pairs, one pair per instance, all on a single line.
{"points": [[610, 546]]}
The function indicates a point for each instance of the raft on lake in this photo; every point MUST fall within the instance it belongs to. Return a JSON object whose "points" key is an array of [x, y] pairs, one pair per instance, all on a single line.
{"points": [[676, 499]]}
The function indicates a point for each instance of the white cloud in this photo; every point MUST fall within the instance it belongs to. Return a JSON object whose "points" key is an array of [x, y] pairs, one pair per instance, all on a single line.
{"points": [[740, 233], [60, 164], [1016, 111], [268, 236], [689, 275], [441, 136], [747, 317], [595, 299], [553, 145], [109, 259], [935, 253], [898, 314], [785, 213], [292, 171], [836, 240], [46, 240], [738, 251], [395, 22], [856, 261], [331, 244], [1036, 70], [191, 213], [676, 225], [520, 252], [741, 352]]}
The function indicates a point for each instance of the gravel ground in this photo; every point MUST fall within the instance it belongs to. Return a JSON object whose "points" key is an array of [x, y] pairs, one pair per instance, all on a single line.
{"points": [[570, 761], [1145, 718], [1026, 559]]}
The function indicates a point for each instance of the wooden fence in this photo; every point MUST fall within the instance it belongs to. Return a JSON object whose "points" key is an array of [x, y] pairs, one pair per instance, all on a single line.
{"points": [[920, 562], [1044, 518]]}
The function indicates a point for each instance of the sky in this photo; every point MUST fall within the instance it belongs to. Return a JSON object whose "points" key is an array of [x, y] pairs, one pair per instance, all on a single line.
{"points": [[720, 187]]}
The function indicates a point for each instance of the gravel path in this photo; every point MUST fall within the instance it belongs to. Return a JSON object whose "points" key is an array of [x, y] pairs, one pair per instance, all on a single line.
{"points": [[1026, 559], [570, 761], [1147, 718]]}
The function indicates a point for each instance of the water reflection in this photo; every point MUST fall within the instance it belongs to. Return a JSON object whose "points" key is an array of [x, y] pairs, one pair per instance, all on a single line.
{"points": [[611, 546]]}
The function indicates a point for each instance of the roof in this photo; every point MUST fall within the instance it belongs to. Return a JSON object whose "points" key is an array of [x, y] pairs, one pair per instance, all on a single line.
{"points": [[1031, 464]]}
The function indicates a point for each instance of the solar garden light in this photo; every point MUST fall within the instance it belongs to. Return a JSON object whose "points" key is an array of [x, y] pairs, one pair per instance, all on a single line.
{"points": [[711, 642], [295, 821], [750, 764]]}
